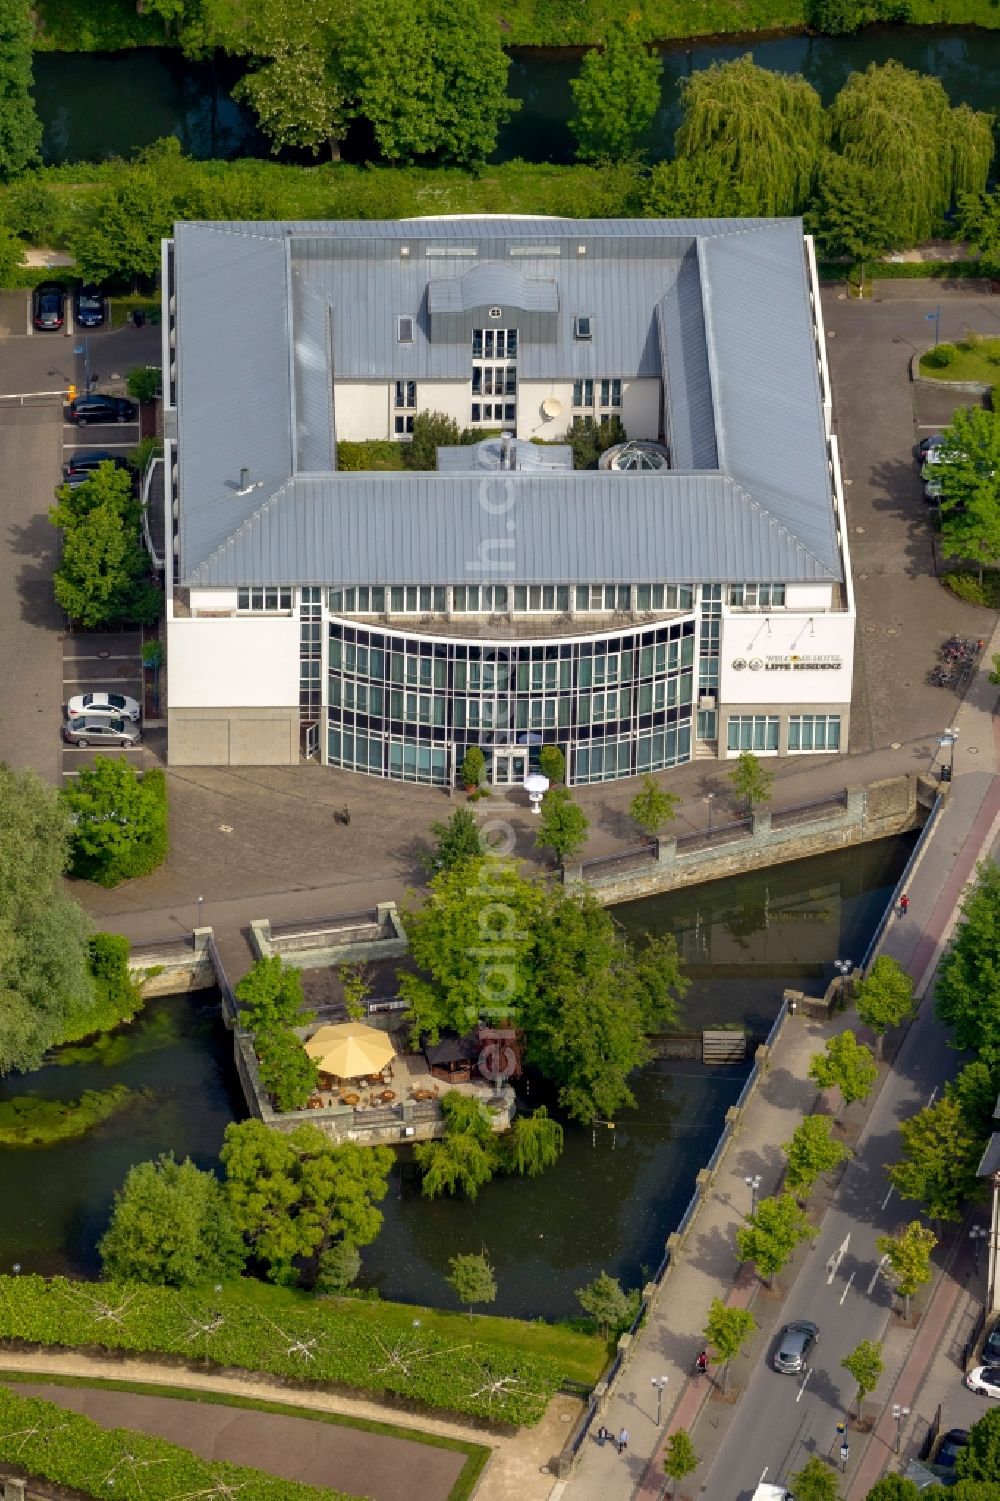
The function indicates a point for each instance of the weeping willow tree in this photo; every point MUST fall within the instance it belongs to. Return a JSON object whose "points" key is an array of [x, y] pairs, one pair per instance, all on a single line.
{"points": [[752, 136], [919, 152]]}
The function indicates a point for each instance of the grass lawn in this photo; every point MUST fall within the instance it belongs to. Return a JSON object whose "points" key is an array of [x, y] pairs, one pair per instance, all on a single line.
{"points": [[580, 1357], [121, 307], [465, 1485], [979, 360]]}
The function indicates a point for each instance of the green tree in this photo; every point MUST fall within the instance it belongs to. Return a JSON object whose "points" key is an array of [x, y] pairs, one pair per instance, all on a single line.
{"points": [[942, 1150], [29, 209], [909, 1254], [841, 17], [846, 1065], [967, 473], [451, 98], [270, 996], [967, 991], [143, 382], [652, 808], [552, 763], [356, 984], [980, 1459], [562, 826], [471, 1279], [811, 1152], [848, 214], [338, 1267], [605, 1302], [297, 99], [457, 840], [772, 1233], [121, 233], [894, 1488], [103, 575], [295, 1196], [473, 767], [815, 1481], [589, 439], [680, 1459], [922, 153], [459, 1163], [117, 997], [534, 1143], [616, 95], [431, 431], [46, 986], [286, 1071], [758, 132], [751, 779], [978, 221], [171, 1226], [865, 1364], [20, 128], [695, 187], [119, 821], [727, 1331], [885, 998]]}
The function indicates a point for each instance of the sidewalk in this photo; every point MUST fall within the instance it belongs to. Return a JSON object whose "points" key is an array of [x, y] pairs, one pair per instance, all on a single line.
{"points": [[708, 1267]]}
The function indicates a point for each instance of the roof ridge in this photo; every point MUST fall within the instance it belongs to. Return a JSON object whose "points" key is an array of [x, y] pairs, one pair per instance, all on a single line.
{"points": [[779, 526], [248, 520]]}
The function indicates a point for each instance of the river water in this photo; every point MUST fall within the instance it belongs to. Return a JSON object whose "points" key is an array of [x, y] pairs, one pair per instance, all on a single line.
{"points": [[97, 105], [616, 1193]]}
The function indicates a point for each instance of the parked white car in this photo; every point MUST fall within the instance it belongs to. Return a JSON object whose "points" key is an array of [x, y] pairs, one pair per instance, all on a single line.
{"points": [[107, 705], [984, 1380]]}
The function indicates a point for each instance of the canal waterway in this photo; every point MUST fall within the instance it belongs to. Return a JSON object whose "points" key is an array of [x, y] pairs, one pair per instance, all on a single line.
{"points": [[95, 105], [616, 1193]]}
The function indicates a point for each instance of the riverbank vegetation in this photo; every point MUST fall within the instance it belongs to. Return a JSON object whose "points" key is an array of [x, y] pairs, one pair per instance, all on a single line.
{"points": [[439, 1363], [51, 1442]]}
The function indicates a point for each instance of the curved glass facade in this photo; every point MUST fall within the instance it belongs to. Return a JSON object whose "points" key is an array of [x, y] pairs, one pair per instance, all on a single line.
{"points": [[409, 706]]}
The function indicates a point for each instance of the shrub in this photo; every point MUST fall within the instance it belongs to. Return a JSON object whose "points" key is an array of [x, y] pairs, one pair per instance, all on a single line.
{"points": [[431, 431], [473, 766], [940, 357], [119, 822], [552, 763], [589, 439], [376, 453], [117, 996], [351, 1344], [144, 382], [973, 590]]}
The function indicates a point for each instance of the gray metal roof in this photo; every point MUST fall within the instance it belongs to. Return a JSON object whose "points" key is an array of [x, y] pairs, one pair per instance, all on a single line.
{"points": [[522, 526], [271, 315], [492, 282]]}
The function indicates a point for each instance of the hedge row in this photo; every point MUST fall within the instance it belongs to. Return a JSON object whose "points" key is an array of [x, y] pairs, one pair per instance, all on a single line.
{"points": [[50, 1442], [315, 1341]]}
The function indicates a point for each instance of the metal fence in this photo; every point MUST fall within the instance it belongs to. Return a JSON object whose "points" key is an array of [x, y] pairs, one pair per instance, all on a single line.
{"points": [[642, 854], [901, 885], [230, 1011], [720, 833], [816, 810]]}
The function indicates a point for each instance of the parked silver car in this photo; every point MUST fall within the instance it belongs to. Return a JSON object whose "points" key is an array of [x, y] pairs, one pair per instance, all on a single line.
{"points": [[794, 1343], [87, 730]]}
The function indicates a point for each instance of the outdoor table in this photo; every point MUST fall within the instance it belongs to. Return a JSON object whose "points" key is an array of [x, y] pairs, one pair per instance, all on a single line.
{"points": [[350, 1099], [388, 1095]]}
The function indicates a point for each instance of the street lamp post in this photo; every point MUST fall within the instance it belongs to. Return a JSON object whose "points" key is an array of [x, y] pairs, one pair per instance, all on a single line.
{"points": [[753, 1184], [709, 798], [948, 741], [935, 318], [201, 901], [899, 1413], [977, 1235], [659, 1382], [84, 349]]}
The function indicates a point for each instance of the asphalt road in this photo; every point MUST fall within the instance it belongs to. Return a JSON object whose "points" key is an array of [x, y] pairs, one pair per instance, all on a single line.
{"points": [[782, 1420]]}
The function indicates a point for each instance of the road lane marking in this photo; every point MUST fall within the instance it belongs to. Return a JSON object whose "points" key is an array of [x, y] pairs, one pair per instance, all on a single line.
{"points": [[876, 1274], [805, 1379], [847, 1288], [933, 1097], [887, 1197], [833, 1265]]}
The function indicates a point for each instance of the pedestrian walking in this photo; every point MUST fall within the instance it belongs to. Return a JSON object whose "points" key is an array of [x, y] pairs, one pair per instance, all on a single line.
{"points": [[603, 1434], [623, 1441], [904, 905], [845, 1454]]}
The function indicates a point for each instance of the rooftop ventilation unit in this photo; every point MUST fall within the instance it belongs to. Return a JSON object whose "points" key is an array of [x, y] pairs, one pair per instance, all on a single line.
{"points": [[640, 456]]}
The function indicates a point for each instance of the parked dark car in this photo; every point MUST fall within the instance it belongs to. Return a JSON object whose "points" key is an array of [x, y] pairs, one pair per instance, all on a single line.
{"points": [[950, 1447], [97, 408], [991, 1346], [934, 440], [48, 307], [85, 462], [88, 307], [794, 1343]]}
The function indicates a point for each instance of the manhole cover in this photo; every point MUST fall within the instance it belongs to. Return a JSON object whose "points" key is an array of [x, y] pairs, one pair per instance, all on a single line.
{"points": [[565, 1417], [831, 333], [848, 482], [896, 745], [971, 750], [225, 828], [870, 630], [863, 578], [859, 530], [892, 630], [103, 655]]}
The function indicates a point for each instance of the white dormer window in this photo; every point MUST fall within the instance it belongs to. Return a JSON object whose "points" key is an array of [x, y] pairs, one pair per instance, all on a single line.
{"points": [[583, 326], [404, 330]]}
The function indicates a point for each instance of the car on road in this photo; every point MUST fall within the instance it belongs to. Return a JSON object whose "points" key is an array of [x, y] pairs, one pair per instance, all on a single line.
{"points": [[991, 1346], [950, 1447], [48, 305], [926, 445], [794, 1343], [89, 729], [984, 1380], [88, 307], [100, 408], [107, 705]]}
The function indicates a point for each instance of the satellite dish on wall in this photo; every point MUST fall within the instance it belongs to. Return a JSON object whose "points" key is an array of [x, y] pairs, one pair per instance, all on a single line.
{"points": [[551, 407]]}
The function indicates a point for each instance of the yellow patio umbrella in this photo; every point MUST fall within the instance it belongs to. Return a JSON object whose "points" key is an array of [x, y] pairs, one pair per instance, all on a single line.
{"points": [[348, 1049]]}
